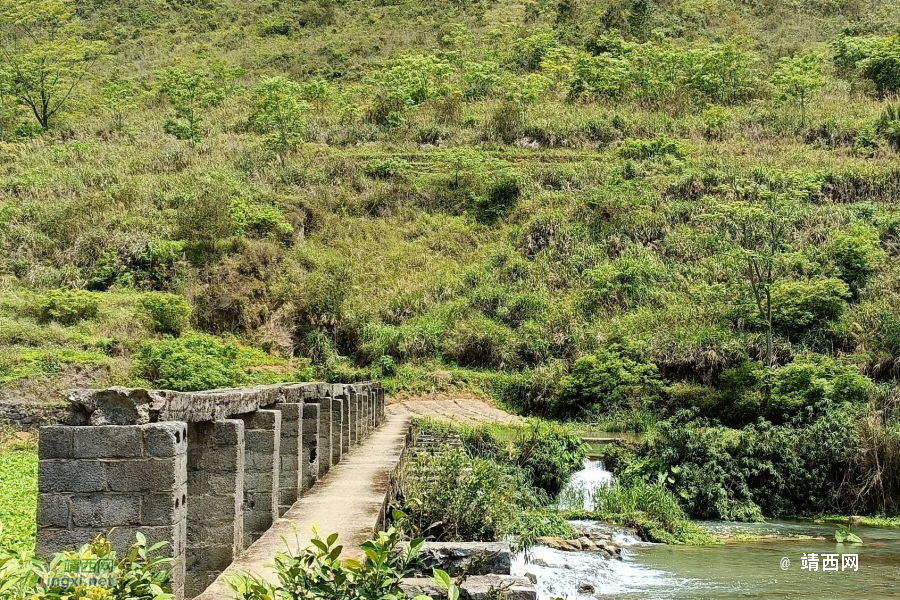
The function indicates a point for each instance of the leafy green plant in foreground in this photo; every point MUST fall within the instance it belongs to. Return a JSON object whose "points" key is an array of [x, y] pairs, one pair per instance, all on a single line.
{"points": [[318, 572], [139, 575]]}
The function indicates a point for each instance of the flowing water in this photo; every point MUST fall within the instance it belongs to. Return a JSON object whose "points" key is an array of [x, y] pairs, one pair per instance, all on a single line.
{"points": [[579, 493], [730, 571]]}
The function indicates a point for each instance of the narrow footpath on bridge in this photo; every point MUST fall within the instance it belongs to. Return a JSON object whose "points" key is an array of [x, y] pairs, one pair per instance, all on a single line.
{"points": [[348, 501]]}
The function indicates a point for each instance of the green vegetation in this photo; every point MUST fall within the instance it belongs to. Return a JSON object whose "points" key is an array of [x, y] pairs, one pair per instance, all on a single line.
{"points": [[501, 481], [18, 493], [672, 216], [318, 571], [648, 508], [139, 575]]}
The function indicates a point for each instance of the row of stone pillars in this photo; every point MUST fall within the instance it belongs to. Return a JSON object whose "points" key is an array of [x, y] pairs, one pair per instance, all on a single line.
{"points": [[207, 472]]}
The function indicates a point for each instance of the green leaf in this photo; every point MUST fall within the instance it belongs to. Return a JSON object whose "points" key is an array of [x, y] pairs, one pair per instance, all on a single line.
{"points": [[442, 579]]}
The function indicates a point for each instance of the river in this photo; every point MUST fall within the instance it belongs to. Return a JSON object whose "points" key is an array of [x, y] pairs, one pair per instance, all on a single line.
{"points": [[732, 570]]}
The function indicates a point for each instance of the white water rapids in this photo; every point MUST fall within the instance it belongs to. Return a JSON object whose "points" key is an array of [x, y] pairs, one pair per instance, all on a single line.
{"points": [[579, 492], [574, 575]]}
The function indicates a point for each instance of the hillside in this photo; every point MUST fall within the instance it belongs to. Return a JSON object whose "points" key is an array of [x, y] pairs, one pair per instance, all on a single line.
{"points": [[624, 211]]}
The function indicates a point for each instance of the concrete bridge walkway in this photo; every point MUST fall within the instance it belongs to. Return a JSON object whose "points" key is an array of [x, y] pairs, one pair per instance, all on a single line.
{"points": [[348, 500]]}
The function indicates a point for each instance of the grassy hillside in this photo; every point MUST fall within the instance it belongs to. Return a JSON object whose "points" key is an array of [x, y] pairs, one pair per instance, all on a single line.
{"points": [[617, 210]]}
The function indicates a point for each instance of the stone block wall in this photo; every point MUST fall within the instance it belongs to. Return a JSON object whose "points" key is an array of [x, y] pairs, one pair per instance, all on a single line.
{"points": [[131, 478], [207, 472]]}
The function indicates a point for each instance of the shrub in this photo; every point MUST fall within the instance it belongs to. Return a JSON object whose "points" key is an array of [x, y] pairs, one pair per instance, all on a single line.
{"points": [[191, 363], [889, 125], [500, 198], [69, 306], [392, 167], [481, 342], [169, 314], [645, 149], [606, 381], [882, 65], [651, 510], [453, 497], [318, 571], [139, 575], [741, 474], [857, 254], [260, 221], [802, 307]]}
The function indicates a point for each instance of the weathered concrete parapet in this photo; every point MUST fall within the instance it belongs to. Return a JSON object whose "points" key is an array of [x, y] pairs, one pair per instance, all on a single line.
{"points": [[208, 472], [131, 478]]}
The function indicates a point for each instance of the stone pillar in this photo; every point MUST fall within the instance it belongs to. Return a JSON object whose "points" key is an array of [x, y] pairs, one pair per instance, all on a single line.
{"points": [[353, 414], [323, 452], [131, 477], [309, 459], [337, 429], [345, 421], [215, 519], [262, 454], [290, 471], [379, 400]]}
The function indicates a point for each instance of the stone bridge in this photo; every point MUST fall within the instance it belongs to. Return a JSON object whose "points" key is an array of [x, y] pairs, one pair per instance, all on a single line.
{"points": [[213, 472]]}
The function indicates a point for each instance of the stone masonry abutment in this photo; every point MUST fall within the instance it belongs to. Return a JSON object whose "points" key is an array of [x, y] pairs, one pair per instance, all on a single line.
{"points": [[208, 472]]}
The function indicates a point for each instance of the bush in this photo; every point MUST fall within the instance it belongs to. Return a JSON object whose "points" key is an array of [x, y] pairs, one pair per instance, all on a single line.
{"points": [[501, 197], [857, 254], [607, 381], [69, 306], [803, 307], [169, 314], [138, 576], [318, 571], [549, 454], [454, 497], [191, 363], [760, 469], [651, 510], [392, 167], [645, 149], [882, 65], [481, 342], [260, 222]]}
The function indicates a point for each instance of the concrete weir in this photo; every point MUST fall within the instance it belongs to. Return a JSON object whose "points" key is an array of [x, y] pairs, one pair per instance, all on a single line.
{"points": [[220, 475]]}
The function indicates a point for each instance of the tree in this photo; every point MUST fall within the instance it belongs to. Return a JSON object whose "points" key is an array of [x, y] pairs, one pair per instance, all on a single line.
{"points": [[526, 90], [191, 94], [279, 112], [45, 53], [759, 226], [799, 77]]}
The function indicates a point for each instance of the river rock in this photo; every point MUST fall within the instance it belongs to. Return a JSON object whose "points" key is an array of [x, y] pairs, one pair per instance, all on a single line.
{"points": [[469, 558], [586, 589], [600, 544]]}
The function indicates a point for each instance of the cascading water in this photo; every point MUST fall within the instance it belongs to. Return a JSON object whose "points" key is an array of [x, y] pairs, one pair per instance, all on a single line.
{"points": [[579, 492]]}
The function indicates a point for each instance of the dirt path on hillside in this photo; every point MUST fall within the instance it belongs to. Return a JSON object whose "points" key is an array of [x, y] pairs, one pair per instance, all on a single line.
{"points": [[467, 411]]}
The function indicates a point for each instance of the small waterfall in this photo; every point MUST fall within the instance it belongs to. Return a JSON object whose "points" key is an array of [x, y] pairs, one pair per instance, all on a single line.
{"points": [[579, 492]]}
